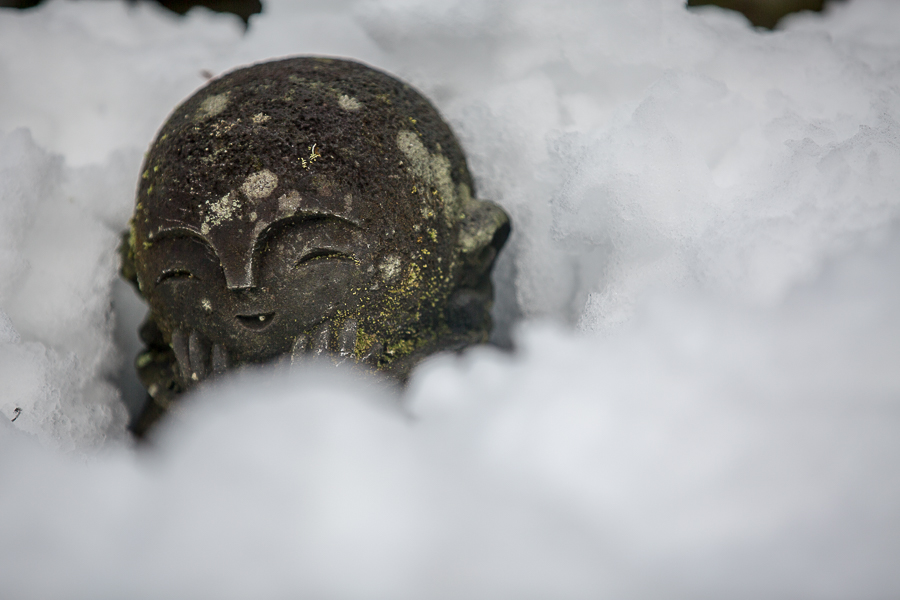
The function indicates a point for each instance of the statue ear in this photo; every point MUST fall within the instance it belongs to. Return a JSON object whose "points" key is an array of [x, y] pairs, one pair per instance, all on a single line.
{"points": [[482, 233]]}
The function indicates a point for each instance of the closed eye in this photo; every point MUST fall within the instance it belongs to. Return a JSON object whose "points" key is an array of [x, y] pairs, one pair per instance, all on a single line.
{"points": [[175, 274], [324, 254]]}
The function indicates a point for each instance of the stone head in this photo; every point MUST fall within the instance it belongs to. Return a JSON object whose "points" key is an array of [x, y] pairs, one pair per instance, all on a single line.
{"points": [[312, 204]]}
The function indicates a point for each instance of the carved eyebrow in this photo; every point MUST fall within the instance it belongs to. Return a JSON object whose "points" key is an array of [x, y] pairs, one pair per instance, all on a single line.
{"points": [[304, 217], [314, 215]]}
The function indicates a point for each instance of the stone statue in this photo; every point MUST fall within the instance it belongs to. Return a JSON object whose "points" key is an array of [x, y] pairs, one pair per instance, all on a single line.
{"points": [[306, 206]]}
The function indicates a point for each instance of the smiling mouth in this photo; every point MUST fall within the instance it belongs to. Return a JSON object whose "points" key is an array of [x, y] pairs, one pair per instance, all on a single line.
{"points": [[256, 322]]}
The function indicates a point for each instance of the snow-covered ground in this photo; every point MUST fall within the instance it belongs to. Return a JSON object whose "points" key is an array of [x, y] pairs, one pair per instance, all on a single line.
{"points": [[702, 288]]}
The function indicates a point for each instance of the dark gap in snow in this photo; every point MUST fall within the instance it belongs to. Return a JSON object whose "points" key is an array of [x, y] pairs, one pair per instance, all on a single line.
{"points": [[763, 13], [242, 8]]}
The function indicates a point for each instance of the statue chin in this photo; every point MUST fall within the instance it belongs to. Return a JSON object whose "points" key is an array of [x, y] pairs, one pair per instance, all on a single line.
{"points": [[306, 207]]}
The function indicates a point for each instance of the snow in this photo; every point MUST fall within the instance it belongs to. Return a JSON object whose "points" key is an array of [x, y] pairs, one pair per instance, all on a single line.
{"points": [[701, 290]]}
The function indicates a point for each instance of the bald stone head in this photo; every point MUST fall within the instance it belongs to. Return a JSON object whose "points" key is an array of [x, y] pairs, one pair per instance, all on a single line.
{"points": [[312, 205]]}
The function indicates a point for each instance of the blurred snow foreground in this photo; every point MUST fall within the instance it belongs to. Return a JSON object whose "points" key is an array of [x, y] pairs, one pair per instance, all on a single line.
{"points": [[702, 290]]}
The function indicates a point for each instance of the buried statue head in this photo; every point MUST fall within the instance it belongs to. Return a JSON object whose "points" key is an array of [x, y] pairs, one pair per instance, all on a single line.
{"points": [[306, 206]]}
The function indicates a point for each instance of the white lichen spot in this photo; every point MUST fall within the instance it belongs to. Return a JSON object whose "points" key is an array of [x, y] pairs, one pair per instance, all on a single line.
{"points": [[206, 305], [204, 228], [221, 210], [432, 170], [213, 106], [260, 118], [253, 216], [349, 103], [289, 203], [259, 185], [390, 267]]}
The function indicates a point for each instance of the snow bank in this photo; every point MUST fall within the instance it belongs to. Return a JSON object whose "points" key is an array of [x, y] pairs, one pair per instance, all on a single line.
{"points": [[713, 208], [58, 255]]}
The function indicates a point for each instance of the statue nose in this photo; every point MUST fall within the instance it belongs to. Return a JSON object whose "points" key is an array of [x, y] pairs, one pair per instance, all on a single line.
{"points": [[239, 276], [237, 265], [234, 247]]}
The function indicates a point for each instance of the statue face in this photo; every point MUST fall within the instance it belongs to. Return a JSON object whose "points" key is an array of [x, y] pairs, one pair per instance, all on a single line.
{"points": [[305, 274], [280, 266]]}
